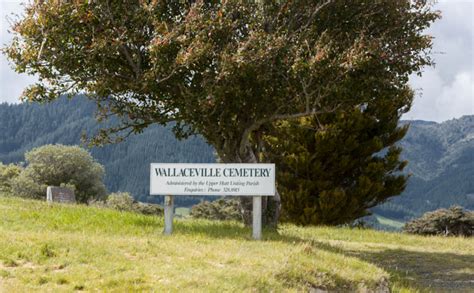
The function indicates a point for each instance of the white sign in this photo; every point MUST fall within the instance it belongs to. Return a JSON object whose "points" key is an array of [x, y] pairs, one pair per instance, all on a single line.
{"points": [[213, 179]]}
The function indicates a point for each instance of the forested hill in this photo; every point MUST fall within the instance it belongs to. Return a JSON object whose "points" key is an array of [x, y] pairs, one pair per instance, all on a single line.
{"points": [[441, 161], [127, 165], [441, 156]]}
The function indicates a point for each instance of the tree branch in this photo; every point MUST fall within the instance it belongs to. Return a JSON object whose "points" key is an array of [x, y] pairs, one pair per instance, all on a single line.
{"points": [[136, 67], [256, 125], [313, 14]]}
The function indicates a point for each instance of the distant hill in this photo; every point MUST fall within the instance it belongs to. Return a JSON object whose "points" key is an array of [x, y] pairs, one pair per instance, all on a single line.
{"points": [[441, 164], [441, 156], [25, 126]]}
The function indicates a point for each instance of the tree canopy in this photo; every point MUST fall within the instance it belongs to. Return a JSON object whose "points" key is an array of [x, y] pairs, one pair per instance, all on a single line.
{"points": [[224, 69]]}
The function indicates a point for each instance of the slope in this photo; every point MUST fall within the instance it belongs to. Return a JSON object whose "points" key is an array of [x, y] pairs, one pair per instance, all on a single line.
{"points": [[63, 248], [441, 164]]}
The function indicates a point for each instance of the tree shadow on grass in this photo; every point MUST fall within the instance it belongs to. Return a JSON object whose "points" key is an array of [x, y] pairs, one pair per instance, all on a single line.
{"points": [[212, 229], [430, 271], [445, 272], [227, 230]]}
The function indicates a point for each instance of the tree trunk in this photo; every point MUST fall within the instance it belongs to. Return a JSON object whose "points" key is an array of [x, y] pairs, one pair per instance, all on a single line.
{"points": [[271, 205]]}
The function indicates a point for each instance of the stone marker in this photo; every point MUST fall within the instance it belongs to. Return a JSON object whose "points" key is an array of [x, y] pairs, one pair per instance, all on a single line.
{"points": [[60, 194]]}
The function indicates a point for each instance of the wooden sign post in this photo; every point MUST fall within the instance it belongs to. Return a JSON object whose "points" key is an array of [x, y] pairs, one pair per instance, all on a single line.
{"points": [[255, 180], [257, 217], [169, 213]]}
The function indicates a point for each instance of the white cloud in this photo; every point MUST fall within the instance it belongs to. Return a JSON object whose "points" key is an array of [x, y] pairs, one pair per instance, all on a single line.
{"points": [[441, 100], [11, 83], [447, 89]]}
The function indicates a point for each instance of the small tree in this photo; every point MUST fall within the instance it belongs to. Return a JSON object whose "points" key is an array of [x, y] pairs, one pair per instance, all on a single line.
{"points": [[333, 167], [454, 221], [59, 165], [7, 174]]}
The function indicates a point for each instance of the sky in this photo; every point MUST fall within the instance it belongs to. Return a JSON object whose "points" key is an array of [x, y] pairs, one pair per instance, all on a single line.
{"points": [[444, 92]]}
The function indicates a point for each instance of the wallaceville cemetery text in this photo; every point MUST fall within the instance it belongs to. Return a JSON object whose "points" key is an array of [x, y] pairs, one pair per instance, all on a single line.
{"points": [[213, 179]]}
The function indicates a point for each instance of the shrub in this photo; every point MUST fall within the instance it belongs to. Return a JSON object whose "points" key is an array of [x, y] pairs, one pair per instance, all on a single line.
{"points": [[148, 208], [221, 209], [59, 165], [449, 222], [123, 201], [7, 174], [25, 186]]}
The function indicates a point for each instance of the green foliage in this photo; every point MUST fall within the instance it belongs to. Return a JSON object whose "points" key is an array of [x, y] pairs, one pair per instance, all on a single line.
{"points": [[221, 209], [454, 221], [223, 69], [25, 186], [334, 167], [59, 165], [7, 174], [148, 209], [123, 201]]}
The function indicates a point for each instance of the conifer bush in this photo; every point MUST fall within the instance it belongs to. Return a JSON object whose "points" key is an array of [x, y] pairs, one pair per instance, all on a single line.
{"points": [[333, 168], [454, 221]]}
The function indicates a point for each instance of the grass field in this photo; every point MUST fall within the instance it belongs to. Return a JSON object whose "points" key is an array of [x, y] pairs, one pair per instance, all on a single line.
{"points": [[64, 248]]}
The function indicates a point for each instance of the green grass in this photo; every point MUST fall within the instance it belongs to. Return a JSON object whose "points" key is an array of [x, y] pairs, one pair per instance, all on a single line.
{"points": [[65, 248], [389, 222]]}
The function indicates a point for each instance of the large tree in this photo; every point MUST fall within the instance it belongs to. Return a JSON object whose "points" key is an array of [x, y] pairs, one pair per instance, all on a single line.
{"points": [[223, 69]]}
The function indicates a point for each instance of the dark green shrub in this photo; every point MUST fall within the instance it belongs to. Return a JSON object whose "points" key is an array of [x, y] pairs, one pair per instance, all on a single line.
{"points": [[454, 221], [221, 209]]}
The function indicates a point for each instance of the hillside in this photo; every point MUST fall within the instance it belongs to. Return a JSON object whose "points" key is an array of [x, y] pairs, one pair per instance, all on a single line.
{"points": [[441, 164], [63, 248], [441, 156], [127, 165]]}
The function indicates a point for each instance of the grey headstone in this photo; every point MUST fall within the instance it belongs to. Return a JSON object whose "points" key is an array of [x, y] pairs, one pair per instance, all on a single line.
{"points": [[60, 194]]}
